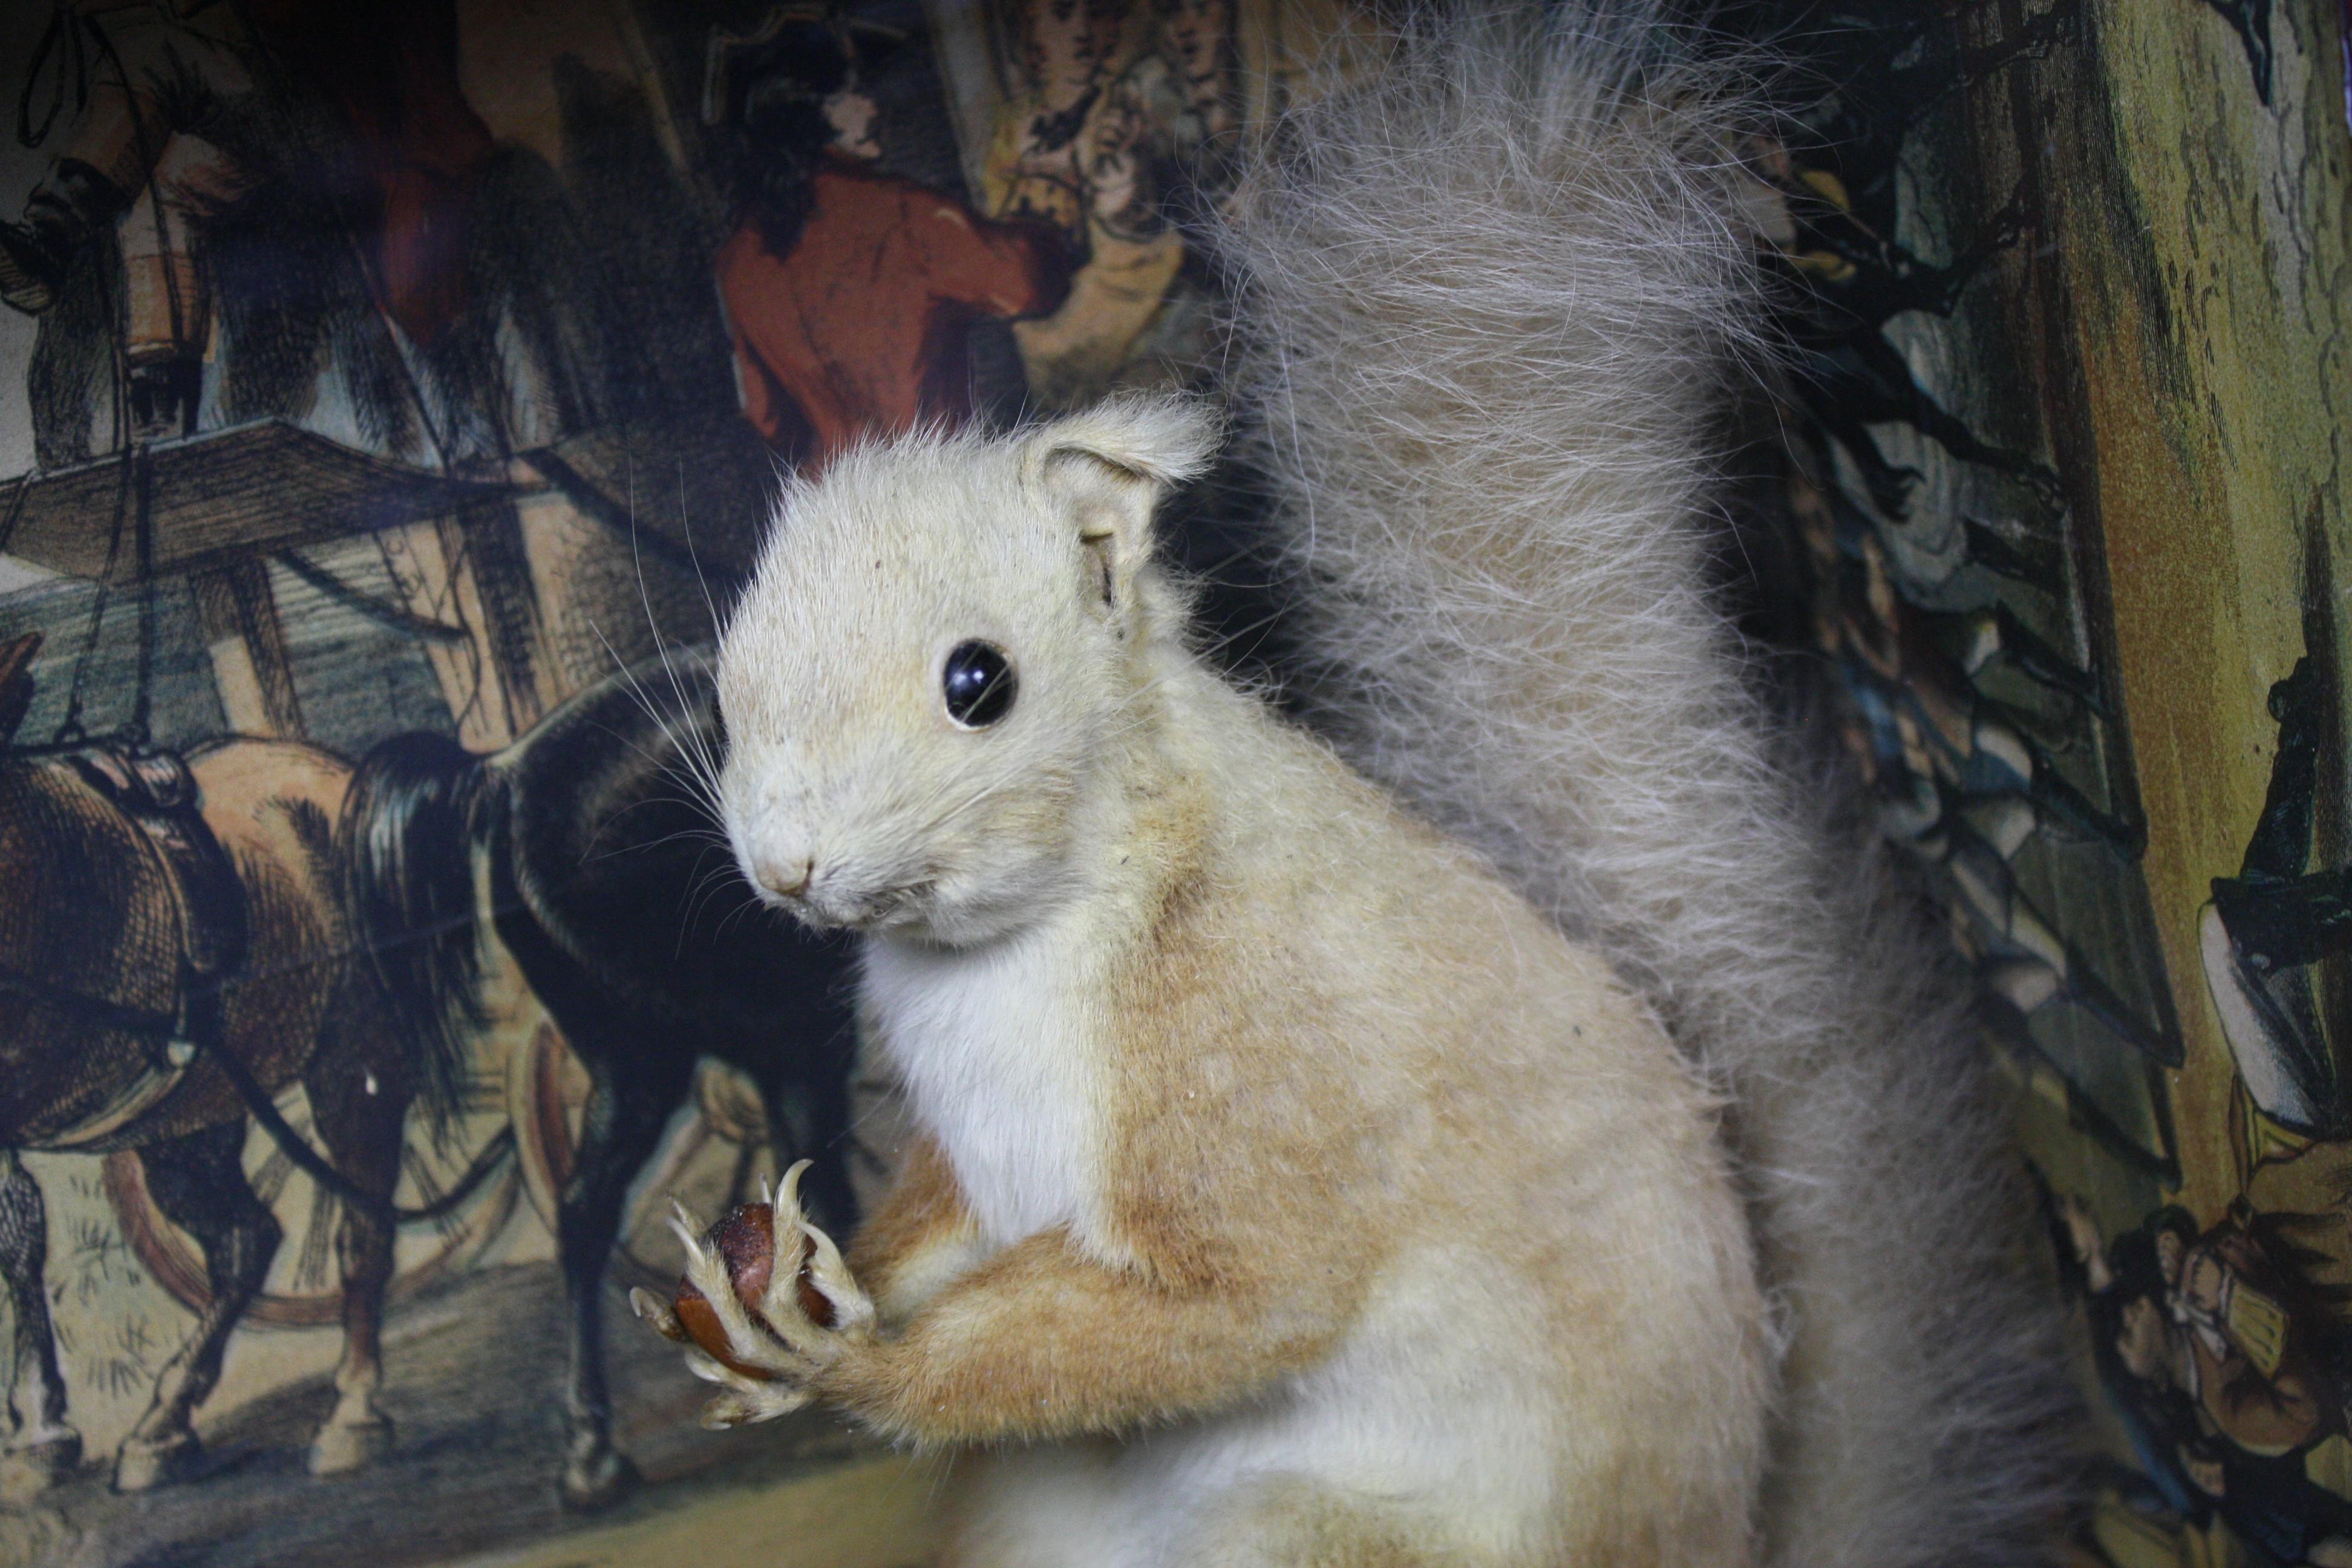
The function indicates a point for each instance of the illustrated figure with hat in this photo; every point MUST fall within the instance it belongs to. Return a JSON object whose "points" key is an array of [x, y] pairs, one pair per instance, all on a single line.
{"points": [[850, 292]]}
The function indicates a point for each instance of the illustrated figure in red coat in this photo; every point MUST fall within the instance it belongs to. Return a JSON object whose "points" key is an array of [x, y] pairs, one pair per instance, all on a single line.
{"points": [[850, 291]]}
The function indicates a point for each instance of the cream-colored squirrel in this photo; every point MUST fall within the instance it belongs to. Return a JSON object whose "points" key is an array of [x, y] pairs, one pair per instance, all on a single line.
{"points": [[1292, 1184]]}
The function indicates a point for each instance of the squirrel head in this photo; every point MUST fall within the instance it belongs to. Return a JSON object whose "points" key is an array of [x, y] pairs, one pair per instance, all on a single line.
{"points": [[938, 653]]}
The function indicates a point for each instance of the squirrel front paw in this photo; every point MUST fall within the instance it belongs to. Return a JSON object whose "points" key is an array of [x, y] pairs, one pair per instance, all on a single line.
{"points": [[765, 1307]]}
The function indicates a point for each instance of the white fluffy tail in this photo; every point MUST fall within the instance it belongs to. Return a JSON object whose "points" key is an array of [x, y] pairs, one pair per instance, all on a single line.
{"points": [[1490, 301]]}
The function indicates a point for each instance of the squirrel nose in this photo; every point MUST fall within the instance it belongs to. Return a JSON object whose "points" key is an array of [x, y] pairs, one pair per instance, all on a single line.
{"points": [[785, 878]]}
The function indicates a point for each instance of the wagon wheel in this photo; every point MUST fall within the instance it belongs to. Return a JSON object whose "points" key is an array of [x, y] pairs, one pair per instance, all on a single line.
{"points": [[303, 1290], [712, 1156]]}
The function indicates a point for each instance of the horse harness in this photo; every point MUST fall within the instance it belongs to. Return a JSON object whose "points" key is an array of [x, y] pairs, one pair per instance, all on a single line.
{"points": [[153, 791], [156, 791]]}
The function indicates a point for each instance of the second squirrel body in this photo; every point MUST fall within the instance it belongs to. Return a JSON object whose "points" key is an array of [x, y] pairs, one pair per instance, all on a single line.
{"points": [[1264, 1122]]}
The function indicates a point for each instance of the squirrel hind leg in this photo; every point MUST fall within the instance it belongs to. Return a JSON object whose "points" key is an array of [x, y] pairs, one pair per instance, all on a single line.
{"points": [[1296, 1522], [1056, 1506], [1078, 1508], [1075, 1506], [1088, 1505]]}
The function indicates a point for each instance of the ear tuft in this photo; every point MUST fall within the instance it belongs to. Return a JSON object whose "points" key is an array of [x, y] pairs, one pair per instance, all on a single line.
{"points": [[1162, 441], [1107, 468]]}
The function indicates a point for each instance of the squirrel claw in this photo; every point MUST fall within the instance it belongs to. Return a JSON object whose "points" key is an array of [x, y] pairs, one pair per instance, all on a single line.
{"points": [[655, 1314], [751, 1343], [683, 1226], [775, 1336], [798, 1242], [779, 1303], [710, 1369], [742, 1400], [738, 1408], [853, 1309]]}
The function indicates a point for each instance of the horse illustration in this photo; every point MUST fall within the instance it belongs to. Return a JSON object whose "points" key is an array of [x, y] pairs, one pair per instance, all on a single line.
{"points": [[172, 956], [630, 923]]}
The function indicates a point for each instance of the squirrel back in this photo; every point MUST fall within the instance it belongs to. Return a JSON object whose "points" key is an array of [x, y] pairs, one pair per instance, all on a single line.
{"points": [[1491, 299]]}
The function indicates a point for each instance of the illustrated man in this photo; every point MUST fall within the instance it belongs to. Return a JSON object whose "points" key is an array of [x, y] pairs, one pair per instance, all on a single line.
{"points": [[2207, 1342], [850, 292]]}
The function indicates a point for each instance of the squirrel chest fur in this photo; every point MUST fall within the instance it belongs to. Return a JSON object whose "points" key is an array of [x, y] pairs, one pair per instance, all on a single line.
{"points": [[1001, 1057]]}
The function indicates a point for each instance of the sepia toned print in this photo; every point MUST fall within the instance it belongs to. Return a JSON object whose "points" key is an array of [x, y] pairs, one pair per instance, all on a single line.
{"points": [[389, 398], [391, 392]]}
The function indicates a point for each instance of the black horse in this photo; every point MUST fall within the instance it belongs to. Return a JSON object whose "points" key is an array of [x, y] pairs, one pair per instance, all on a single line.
{"points": [[626, 915]]}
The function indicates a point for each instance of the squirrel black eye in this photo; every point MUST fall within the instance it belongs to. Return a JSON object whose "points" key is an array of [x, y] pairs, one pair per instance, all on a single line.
{"points": [[979, 684]]}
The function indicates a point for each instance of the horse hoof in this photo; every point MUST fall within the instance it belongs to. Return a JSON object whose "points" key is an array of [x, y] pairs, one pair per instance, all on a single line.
{"points": [[338, 1451], [142, 1464], [598, 1480], [29, 1471]]}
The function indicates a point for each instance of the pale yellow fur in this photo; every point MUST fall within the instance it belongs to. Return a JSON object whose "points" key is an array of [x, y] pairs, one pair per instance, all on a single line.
{"points": [[1286, 1189]]}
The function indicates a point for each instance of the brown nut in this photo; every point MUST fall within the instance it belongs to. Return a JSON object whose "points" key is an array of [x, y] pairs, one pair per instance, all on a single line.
{"points": [[744, 1238]]}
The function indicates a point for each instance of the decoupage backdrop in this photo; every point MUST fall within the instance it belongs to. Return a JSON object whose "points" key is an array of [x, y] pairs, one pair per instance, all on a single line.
{"points": [[2069, 421], [390, 392], [390, 396]]}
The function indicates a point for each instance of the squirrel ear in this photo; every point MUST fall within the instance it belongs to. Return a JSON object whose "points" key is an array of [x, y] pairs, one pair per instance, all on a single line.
{"points": [[1159, 441], [1112, 464]]}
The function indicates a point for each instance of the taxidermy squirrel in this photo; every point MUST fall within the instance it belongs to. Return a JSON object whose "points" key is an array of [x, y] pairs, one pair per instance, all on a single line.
{"points": [[1571, 1157]]}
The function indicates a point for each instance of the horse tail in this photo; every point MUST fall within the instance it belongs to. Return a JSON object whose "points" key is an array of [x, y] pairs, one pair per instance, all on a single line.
{"points": [[418, 806]]}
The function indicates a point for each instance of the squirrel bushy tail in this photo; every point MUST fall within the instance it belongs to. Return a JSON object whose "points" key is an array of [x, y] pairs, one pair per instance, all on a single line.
{"points": [[1491, 299]]}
